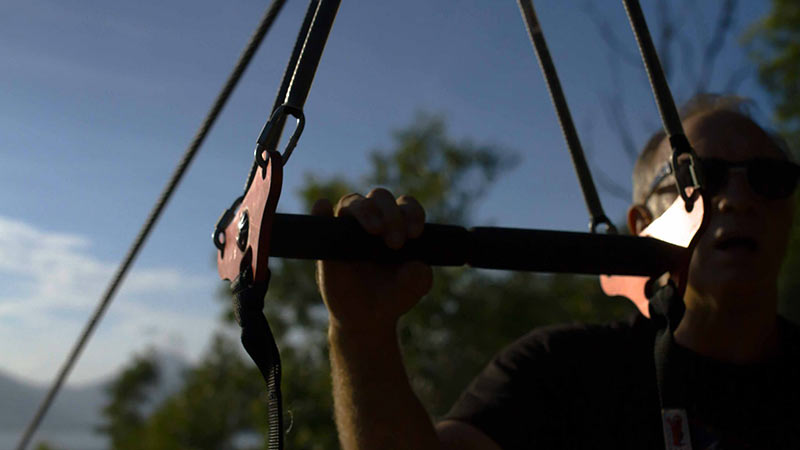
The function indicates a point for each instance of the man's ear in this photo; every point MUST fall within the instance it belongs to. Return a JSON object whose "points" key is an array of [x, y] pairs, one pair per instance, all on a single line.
{"points": [[639, 218]]}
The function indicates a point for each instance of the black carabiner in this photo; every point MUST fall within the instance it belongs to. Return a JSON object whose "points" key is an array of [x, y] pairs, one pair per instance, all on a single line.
{"points": [[279, 116], [686, 170]]}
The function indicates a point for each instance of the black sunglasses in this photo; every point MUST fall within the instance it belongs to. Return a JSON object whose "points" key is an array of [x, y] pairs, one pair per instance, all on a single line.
{"points": [[769, 177]]}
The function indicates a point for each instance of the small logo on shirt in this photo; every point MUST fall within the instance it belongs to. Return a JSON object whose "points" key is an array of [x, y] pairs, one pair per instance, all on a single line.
{"points": [[676, 429]]}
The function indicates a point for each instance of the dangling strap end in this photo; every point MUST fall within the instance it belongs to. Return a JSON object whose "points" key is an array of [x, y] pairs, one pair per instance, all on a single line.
{"points": [[259, 342]]}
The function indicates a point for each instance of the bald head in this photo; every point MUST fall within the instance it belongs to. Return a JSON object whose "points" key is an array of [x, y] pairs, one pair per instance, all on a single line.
{"points": [[718, 122]]}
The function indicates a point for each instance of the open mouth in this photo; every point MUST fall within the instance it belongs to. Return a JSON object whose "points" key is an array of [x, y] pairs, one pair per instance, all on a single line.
{"points": [[737, 243]]}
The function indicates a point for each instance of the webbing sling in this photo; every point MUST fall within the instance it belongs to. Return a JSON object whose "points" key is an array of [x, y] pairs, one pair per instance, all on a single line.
{"points": [[666, 306], [597, 216], [666, 311], [259, 342]]}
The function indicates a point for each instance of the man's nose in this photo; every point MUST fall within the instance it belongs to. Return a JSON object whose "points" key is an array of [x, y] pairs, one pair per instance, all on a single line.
{"points": [[737, 195]]}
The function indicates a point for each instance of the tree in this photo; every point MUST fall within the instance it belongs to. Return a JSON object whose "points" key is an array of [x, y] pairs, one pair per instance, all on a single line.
{"points": [[775, 46], [44, 446], [443, 345], [128, 394]]}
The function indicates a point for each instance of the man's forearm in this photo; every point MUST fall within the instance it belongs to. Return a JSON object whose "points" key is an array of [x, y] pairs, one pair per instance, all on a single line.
{"points": [[374, 404]]}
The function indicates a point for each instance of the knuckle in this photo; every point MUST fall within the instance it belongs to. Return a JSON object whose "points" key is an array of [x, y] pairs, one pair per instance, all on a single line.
{"points": [[380, 193], [348, 202], [411, 207], [364, 209], [408, 199]]}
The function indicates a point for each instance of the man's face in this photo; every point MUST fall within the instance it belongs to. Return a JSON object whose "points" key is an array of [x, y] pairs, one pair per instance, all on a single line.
{"points": [[741, 250]]}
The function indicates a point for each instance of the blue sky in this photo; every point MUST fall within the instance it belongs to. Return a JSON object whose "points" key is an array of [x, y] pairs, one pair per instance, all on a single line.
{"points": [[99, 99]]}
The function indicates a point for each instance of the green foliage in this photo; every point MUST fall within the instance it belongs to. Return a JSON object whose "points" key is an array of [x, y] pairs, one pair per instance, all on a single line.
{"points": [[447, 177], [444, 344], [215, 404], [128, 395], [775, 45], [45, 446]]}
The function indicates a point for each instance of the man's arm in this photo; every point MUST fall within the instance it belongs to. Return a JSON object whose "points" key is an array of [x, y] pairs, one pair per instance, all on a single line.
{"points": [[374, 405]]}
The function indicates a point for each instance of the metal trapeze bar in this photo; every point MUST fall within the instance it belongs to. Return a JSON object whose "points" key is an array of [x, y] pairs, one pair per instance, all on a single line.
{"points": [[311, 237]]}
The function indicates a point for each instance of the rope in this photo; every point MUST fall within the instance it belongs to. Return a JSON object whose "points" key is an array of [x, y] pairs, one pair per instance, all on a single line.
{"points": [[598, 216], [233, 79]]}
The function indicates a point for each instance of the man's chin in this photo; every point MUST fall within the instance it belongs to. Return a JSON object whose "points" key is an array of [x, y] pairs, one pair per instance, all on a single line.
{"points": [[735, 278]]}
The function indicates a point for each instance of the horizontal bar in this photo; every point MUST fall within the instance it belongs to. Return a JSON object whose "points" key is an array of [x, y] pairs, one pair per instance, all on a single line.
{"points": [[297, 236]]}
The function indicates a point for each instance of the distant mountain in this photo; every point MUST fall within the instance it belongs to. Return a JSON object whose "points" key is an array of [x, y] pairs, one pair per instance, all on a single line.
{"points": [[75, 407], [76, 410]]}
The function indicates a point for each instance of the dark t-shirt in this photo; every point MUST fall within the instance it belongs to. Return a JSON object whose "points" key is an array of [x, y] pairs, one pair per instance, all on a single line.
{"points": [[594, 386]]}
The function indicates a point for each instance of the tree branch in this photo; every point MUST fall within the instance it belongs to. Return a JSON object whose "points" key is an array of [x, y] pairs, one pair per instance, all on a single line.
{"points": [[715, 44], [609, 37]]}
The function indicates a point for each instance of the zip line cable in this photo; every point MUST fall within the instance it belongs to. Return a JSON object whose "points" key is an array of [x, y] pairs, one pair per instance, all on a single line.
{"points": [[222, 98]]}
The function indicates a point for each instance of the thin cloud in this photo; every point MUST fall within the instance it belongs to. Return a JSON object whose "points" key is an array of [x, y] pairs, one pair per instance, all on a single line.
{"points": [[59, 283]]}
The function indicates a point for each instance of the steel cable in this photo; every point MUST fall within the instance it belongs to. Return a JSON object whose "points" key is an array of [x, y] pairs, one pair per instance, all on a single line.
{"points": [[222, 98]]}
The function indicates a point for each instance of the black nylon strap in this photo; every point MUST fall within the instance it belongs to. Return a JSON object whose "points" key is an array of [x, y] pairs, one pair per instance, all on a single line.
{"points": [[288, 73], [597, 215], [664, 101], [658, 81], [258, 341], [666, 310]]}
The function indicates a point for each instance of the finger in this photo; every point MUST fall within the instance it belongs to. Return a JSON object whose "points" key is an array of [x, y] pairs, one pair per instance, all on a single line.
{"points": [[414, 215], [322, 207], [363, 210], [394, 227]]}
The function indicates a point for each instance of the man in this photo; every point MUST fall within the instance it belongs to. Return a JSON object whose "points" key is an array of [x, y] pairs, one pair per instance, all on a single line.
{"points": [[595, 386]]}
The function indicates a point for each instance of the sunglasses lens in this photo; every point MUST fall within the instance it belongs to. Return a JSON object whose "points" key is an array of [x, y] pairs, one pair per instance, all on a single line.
{"points": [[772, 178], [716, 174]]}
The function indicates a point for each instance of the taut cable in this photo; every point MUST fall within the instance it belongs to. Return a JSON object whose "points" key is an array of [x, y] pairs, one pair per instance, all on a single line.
{"points": [[222, 98]]}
